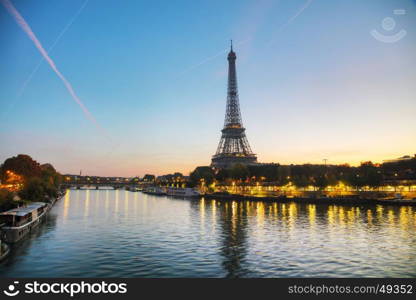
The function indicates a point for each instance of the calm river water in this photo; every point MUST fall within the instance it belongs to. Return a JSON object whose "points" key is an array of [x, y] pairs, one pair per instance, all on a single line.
{"points": [[106, 233]]}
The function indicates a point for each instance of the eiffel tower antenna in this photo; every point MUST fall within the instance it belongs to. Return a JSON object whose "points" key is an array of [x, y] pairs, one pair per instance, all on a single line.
{"points": [[233, 146]]}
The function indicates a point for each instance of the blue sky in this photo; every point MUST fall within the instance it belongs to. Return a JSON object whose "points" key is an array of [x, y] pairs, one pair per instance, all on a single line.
{"points": [[313, 82]]}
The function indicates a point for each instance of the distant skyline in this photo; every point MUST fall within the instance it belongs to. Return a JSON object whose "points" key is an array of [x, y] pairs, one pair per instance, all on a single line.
{"points": [[314, 82]]}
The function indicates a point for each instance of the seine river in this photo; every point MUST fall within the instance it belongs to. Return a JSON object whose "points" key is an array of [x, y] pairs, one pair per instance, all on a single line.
{"points": [[106, 233]]}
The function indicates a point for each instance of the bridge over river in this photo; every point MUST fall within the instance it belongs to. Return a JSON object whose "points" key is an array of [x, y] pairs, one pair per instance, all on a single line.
{"points": [[106, 184]]}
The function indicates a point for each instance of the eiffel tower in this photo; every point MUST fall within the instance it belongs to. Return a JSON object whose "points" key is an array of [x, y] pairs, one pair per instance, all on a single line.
{"points": [[233, 147]]}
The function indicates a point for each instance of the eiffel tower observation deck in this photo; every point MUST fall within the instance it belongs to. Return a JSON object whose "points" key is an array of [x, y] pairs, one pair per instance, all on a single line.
{"points": [[233, 147]]}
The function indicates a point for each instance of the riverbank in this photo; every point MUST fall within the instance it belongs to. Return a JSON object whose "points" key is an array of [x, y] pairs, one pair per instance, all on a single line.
{"points": [[317, 200], [33, 213]]}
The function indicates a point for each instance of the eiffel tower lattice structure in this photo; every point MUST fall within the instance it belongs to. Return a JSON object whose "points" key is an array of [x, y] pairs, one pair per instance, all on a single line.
{"points": [[233, 147]]}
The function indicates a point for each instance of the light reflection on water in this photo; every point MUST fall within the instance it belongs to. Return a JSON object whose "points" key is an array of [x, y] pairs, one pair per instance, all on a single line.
{"points": [[106, 233]]}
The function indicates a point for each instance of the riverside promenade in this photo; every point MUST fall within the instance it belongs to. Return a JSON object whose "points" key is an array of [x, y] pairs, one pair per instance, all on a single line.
{"points": [[352, 200]]}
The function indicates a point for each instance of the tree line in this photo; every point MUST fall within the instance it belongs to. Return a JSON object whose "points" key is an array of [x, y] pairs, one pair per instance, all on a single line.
{"points": [[24, 180], [302, 176]]}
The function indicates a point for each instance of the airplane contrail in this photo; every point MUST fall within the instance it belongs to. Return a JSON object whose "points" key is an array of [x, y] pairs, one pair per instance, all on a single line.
{"points": [[29, 78], [308, 2], [305, 6], [212, 57], [26, 28]]}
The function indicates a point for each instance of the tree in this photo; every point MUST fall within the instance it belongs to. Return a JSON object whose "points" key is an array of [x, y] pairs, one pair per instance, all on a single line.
{"points": [[135, 180], [34, 190], [283, 175], [6, 200], [34, 182], [355, 179], [301, 181], [204, 173], [331, 178], [177, 174], [222, 175], [149, 178], [370, 174], [239, 172], [321, 181], [22, 165], [269, 171], [50, 176]]}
